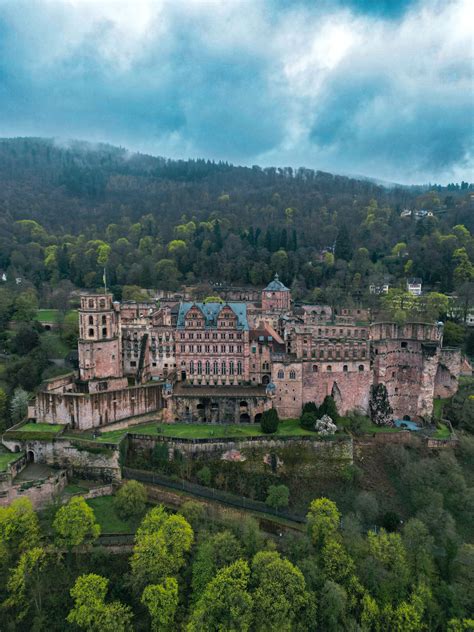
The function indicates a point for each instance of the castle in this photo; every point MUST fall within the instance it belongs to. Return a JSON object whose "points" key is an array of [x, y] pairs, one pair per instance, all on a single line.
{"points": [[229, 362]]}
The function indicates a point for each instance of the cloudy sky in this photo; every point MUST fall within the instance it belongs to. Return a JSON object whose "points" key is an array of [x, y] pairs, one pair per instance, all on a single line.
{"points": [[382, 88]]}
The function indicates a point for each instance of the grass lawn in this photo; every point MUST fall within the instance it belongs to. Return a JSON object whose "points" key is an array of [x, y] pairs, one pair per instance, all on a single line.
{"points": [[108, 519], [33, 427], [442, 432], [286, 428], [50, 315], [6, 458], [53, 345], [367, 427], [72, 489]]}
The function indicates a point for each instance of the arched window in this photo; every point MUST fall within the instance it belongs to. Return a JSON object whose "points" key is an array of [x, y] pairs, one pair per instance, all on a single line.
{"points": [[345, 368], [315, 368], [102, 303], [91, 320], [361, 368], [104, 331], [91, 303], [104, 320], [216, 368], [191, 367], [265, 366], [199, 367], [231, 367], [208, 367], [223, 368], [329, 368], [292, 375], [91, 332], [239, 368], [281, 374]]}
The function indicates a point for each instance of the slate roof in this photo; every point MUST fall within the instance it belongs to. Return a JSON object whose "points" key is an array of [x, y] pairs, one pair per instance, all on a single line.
{"points": [[276, 286], [211, 311]]}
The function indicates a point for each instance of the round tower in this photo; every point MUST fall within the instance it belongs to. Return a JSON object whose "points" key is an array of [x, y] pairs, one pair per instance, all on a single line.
{"points": [[99, 338]]}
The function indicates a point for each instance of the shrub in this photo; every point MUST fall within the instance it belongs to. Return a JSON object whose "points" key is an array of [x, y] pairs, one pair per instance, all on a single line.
{"points": [[310, 407], [130, 499], [328, 407], [204, 476], [269, 421], [278, 496], [307, 420]]}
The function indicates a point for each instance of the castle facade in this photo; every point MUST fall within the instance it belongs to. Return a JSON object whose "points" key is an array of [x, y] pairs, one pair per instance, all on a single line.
{"points": [[231, 361]]}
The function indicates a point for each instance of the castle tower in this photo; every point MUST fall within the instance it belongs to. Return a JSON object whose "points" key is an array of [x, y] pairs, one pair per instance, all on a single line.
{"points": [[276, 296], [100, 352]]}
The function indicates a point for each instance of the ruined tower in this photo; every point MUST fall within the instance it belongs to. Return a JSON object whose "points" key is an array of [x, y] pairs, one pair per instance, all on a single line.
{"points": [[100, 353]]}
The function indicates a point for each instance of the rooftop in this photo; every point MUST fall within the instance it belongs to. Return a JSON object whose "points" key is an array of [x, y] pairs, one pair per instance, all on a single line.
{"points": [[276, 286], [211, 312]]}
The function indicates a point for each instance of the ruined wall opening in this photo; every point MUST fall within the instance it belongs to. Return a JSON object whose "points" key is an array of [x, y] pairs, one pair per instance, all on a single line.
{"points": [[30, 456], [258, 418], [244, 418]]}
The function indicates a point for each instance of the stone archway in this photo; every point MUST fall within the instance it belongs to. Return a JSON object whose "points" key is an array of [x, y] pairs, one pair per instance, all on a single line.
{"points": [[244, 418], [30, 456], [258, 418], [266, 380]]}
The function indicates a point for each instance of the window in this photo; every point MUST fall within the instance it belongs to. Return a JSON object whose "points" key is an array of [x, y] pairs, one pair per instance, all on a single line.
{"points": [[361, 368], [104, 331], [231, 367], [292, 375], [281, 374], [91, 320], [191, 367], [216, 368], [404, 345], [329, 368], [102, 303], [104, 320], [208, 367], [315, 368], [223, 368], [133, 363], [345, 368], [91, 332], [199, 367], [239, 368]]}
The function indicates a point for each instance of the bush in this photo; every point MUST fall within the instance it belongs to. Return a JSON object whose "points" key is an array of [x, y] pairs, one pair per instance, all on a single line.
{"points": [[328, 407], [278, 496], [204, 476], [130, 499], [307, 420], [310, 407], [269, 421], [194, 512]]}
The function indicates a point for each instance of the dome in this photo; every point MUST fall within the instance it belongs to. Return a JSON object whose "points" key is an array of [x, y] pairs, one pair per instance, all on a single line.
{"points": [[276, 286]]}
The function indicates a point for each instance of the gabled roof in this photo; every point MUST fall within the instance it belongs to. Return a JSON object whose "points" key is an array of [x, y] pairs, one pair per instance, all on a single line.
{"points": [[211, 312], [276, 286]]}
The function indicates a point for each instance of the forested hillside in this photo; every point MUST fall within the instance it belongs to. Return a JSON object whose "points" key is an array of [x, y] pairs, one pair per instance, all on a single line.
{"points": [[66, 211]]}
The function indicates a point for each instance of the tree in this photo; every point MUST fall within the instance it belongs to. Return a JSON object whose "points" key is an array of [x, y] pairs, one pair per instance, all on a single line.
{"points": [[278, 496], [279, 592], [269, 421], [204, 476], [310, 407], [130, 499], [161, 601], [91, 613], [3, 410], [25, 339], [463, 580], [26, 585], [19, 527], [328, 407], [419, 546], [75, 523], [332, 609], [453, 334], [388, 550], [161, 543], [323, 520], [194, 512], [308, 420], [19, 405], [343, 246], [226, 603], [215, 552], [366, 507]]}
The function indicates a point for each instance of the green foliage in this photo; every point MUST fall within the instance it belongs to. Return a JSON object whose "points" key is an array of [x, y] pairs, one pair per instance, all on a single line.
{"points": [[310, 407], [19, 527], [91, 613], [213, 553], [130, 499], [18, 405], [161, 600], [269, 421], [26, 584], [204, 476], [308, 420], [75, 523], [379, 405], [160, 546], [328, 407], [453, 334], [323, 520], [226, 603], [278, 496]]}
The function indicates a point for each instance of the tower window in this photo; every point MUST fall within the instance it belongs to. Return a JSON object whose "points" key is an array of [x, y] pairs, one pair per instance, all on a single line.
{"points": [[404, 345], [361, 368], [91, 320], [91, 332], [315, 368], [91, 303], [329, 368], [104, 331], [104, 320], [345, 368]]}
